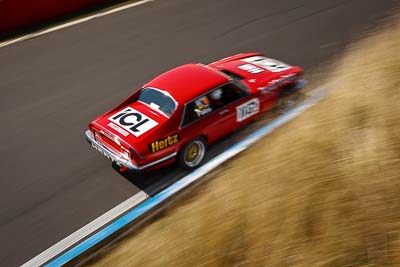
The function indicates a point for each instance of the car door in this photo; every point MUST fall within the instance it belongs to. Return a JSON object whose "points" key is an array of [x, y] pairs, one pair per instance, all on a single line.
{"points": [[215, 114], [224, 101]]}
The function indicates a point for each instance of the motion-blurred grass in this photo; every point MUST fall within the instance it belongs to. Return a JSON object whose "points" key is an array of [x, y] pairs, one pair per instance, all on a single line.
{"points": [[324, 190]]}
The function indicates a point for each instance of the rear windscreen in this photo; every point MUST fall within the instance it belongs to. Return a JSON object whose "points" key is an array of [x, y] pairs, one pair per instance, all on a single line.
{"points": [[158, 100]]}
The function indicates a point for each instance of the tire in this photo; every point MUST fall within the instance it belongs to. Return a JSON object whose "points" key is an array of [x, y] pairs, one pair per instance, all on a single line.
{"points": [[287, 99], [192, 154]]}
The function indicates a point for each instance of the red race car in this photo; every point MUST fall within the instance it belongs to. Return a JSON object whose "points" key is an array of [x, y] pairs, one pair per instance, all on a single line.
{"points": [[176, 115]]}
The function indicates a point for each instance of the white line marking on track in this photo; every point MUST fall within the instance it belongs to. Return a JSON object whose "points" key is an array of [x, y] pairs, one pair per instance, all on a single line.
{"points": [[71, 23], [87, 230]]}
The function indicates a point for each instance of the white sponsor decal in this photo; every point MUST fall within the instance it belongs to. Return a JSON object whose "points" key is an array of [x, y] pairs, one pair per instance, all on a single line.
{"points": [[133, 121], [118, 129], [247, 109], [250, 68], [267, 63]]}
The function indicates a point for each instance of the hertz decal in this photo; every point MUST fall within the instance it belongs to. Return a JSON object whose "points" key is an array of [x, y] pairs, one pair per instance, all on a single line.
{"points": [[164, 143]]}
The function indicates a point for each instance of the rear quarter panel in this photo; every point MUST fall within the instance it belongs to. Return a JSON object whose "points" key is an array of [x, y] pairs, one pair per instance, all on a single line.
{"points": [[163, 142]]}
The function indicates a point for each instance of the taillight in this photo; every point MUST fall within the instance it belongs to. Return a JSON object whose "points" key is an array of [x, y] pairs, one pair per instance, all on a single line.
{"points": [[125, 152], [97, 135]]}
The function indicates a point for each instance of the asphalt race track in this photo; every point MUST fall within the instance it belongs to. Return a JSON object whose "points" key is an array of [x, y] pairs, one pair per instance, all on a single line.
{"points": [[52, 182]]}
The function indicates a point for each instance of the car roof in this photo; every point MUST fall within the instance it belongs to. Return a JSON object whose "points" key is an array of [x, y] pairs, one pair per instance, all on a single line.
{"points": [[186, 82]]}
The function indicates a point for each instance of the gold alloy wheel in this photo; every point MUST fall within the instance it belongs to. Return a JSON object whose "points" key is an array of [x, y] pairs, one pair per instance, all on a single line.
{"points": [[194, 153]]}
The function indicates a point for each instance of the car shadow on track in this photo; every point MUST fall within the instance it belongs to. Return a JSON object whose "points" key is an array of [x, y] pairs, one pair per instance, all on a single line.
{"points": [[152, 182]]}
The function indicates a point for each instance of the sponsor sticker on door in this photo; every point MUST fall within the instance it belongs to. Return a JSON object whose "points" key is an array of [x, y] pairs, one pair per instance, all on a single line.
{"points": [[133, 121], [247, 109]]}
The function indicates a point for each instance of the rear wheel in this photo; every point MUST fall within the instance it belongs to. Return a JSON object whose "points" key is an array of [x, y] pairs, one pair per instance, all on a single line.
{"points": [[192, 154]]}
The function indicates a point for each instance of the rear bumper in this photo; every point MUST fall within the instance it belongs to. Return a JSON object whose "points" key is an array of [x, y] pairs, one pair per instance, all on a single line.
{"points": [[108, 153], [117, 159]]}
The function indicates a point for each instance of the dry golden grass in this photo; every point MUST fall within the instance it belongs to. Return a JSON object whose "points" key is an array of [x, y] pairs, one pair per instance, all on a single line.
{"points": [[324, 190]]}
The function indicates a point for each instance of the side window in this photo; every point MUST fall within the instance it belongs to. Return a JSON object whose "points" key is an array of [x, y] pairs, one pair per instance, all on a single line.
{"points": [[197, 109], [225, 95], [212, 101]]}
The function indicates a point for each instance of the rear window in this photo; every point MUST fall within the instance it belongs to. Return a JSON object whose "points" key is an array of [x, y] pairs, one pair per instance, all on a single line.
{"points": [[158, 100]]}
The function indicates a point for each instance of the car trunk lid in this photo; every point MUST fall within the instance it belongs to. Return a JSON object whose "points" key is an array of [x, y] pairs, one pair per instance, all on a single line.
{"points": [[129, 126]]}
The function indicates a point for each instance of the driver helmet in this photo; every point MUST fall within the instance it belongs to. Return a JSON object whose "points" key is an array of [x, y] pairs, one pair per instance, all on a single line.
{"points": [[216, 94]]}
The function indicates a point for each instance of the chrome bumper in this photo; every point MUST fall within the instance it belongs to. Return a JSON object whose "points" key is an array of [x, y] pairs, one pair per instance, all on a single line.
{"points": [[109, 153], [118, 159]]}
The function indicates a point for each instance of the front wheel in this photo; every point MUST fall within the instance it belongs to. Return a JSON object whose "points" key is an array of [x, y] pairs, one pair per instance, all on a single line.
{"points": [[288, 99], [192, 154]]}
